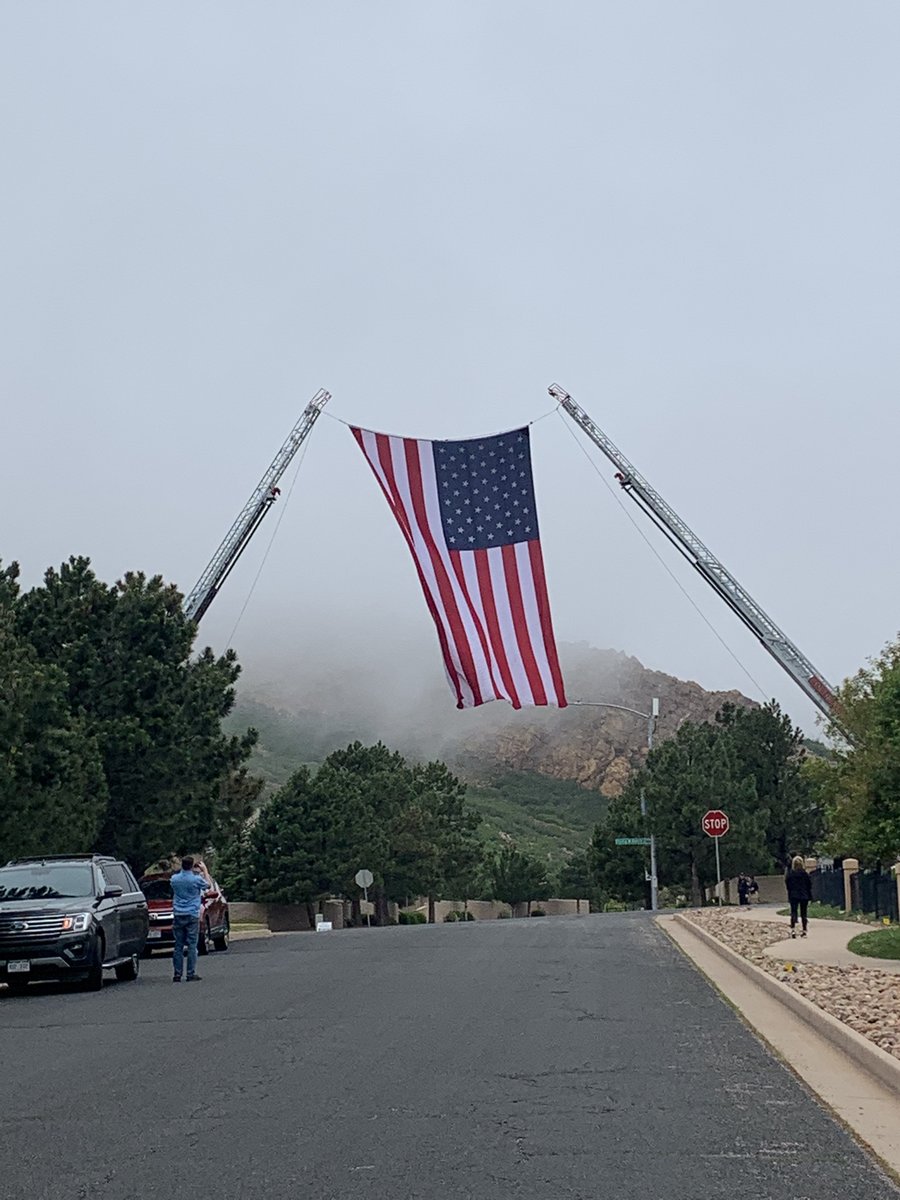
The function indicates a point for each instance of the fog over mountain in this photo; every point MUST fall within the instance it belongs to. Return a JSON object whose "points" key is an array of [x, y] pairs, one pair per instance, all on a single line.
{"points": [[403, 701]]}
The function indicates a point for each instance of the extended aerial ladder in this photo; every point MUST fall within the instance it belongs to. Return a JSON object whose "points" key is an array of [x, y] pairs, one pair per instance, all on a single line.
{"points": [[251, 515], [778, 644]]}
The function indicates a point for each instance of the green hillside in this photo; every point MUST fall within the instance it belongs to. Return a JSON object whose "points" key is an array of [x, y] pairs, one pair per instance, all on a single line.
{"points": [[550, 817]]}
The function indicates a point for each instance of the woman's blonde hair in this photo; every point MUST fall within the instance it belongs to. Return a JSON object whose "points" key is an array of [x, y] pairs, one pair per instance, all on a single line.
{"points": [[797, 862]]}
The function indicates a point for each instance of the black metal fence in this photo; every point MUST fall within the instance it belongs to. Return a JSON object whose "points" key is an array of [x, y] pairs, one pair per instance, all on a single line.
{"points": [[875, 893], [828, 886]]}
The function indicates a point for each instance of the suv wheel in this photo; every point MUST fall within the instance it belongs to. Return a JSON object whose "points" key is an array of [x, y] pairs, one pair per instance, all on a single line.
{"points": [[94, 980], [221, 942], [203, 938], [128, 971]]}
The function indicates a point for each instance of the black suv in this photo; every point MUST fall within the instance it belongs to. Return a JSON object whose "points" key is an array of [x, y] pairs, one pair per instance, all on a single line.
{"points": [[69, 917]]}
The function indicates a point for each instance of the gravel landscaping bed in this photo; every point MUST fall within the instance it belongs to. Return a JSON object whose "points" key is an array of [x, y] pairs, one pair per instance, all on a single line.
{"points": [[866, 999]]}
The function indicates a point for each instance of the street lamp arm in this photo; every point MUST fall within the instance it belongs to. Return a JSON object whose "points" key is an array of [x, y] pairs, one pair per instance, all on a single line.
{"points": [[621, 707]]}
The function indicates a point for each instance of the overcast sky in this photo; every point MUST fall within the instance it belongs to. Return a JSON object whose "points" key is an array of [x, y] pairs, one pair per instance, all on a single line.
{"points": [[684, 212]]}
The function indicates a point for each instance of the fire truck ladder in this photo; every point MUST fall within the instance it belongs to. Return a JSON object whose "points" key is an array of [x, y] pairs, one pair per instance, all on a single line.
{"points": [[251, 515], [778, 644]]}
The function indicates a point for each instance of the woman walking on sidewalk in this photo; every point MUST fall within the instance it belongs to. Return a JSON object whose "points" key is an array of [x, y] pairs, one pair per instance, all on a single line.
{"points": [[799, 890]]}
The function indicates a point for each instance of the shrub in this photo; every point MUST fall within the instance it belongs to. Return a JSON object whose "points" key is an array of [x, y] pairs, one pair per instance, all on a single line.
{"points": [[412, 918], [614, 906], [538, 912], [451, 916], [503, 916]]}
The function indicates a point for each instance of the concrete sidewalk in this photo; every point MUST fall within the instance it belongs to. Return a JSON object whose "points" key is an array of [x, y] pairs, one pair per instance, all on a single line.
{"points": [[870, 1107], [826, 943]]}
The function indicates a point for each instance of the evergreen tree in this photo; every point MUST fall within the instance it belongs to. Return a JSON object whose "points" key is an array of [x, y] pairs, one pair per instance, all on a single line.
{"points": [[575, 880], [303, 842], [769, 748], [618, 872], [684, 777], [123, 653], [517, 877], [52, 787]]}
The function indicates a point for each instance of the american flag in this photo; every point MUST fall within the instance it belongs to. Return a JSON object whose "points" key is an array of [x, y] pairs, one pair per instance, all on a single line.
{"points": [[468, 515]]}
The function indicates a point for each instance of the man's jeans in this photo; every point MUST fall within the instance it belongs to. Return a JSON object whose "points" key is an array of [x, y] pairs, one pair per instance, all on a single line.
{"points": [[186, 929]]}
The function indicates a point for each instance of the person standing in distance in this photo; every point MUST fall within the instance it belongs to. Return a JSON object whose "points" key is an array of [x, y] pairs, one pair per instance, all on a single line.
{"points": [[187, 893], [799, 890]]}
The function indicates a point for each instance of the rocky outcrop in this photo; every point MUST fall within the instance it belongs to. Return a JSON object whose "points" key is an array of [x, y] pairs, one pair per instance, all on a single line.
{"points": [[597, 747]]}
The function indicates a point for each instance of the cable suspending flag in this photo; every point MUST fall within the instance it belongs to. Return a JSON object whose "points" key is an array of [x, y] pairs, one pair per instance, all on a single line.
{"points": [[467, 512]]}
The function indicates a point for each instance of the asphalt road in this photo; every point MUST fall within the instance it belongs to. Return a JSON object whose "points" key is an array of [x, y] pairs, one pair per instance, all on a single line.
{"points": [[536, 1059]]}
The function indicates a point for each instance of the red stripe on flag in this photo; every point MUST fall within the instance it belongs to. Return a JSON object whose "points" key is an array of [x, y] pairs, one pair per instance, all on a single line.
{"points": [[457, 629], [383, 442], [543, 603], [520, 623], [390, 492]]}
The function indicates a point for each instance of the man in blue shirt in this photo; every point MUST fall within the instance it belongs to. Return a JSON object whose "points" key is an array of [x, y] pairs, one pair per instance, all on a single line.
{"points": [[187, 893]]}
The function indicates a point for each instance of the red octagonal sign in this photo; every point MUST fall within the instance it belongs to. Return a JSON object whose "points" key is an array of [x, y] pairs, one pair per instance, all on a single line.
{"points": [[715, 823]]}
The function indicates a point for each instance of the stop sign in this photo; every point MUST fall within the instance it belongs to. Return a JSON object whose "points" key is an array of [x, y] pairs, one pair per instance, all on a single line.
{"points": [[715, 823]]}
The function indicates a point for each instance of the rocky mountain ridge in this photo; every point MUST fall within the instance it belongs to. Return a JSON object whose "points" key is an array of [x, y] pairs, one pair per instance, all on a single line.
{"points": [[594, 746]]}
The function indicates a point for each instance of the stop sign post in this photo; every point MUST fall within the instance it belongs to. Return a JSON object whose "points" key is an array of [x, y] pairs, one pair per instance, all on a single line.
{"points": [[364, 879], [715, 824]]}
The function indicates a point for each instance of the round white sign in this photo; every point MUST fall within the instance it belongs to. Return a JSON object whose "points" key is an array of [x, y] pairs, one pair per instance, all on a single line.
{"points": [[364, 878]]}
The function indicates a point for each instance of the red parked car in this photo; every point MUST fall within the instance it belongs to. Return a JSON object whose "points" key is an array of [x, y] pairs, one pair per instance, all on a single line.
{"points": [[214, 922]]}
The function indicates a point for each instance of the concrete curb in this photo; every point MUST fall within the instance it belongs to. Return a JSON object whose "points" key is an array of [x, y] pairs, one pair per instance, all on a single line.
{"points": [[241, 935], [883, 1066]]}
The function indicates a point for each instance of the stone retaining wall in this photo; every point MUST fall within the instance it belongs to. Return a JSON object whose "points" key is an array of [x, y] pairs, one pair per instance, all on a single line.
{"points": [[290, 918]]}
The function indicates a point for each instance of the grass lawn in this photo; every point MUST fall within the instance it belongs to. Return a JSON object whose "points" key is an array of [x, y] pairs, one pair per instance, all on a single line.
{"points": [[879, 943], [828, 912]]}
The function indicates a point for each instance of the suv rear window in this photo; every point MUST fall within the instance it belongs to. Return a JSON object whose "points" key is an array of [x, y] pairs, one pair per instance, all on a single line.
{"points": [[114, 874], [157, 889], [52, 882]]}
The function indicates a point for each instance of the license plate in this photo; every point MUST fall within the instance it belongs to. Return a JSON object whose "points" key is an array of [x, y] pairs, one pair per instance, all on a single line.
{"points": [[21, 967], [154, 933]]}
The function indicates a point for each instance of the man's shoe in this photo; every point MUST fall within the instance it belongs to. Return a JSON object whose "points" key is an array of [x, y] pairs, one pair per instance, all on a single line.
{"points": [[803, 934], [194, 978], [176, 979], [793, 933]]}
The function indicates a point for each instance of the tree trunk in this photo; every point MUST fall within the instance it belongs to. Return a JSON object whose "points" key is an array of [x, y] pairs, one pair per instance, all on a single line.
{"points": [[381, 907], [431, 910], [311, 914], [696, 897]]}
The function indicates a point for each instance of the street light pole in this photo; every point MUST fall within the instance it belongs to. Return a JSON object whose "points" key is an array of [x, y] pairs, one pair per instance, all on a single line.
{"points": [[651, 718], [654, 883]]}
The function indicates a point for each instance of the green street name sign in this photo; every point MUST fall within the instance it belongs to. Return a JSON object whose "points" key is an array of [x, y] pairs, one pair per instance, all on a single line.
{"points": [[632, 841]]}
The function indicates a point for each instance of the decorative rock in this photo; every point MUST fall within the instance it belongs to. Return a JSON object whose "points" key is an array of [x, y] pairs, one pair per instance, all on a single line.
{"points": [[866, 999]]}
